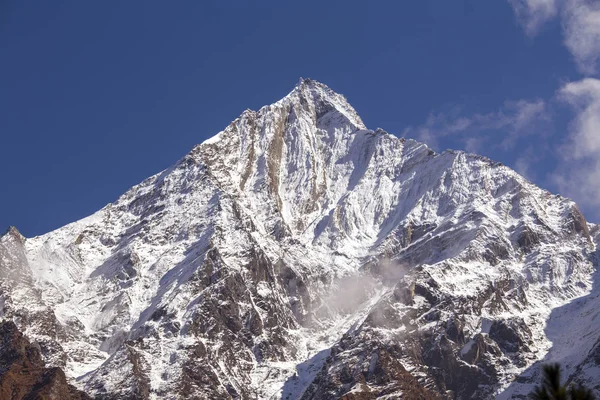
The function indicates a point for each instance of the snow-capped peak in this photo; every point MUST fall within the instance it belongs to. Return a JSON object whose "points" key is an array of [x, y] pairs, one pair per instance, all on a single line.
{"points": [[298, 254]]}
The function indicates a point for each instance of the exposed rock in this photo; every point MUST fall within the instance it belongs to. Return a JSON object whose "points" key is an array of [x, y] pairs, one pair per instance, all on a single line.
{"points": [[23, 374]]}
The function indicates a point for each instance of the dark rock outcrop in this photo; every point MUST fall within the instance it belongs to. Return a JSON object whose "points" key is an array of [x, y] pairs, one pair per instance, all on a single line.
{"points": [[23, 375]]}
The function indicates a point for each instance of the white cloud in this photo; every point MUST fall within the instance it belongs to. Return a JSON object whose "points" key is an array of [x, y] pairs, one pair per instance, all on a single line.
{"points": [[513, 120], [474, 144], [437, 126], [523, 166], [581, 26], [533, 14], [584, 97], [521, 117], [579, 174], [528, 158]]}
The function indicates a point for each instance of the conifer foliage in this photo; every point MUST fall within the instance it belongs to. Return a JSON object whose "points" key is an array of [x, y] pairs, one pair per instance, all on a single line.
{"points": [[551, 388]]}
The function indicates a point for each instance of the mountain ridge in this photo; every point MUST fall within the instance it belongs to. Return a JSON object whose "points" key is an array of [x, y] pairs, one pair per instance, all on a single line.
{"points": [[297, 253]]}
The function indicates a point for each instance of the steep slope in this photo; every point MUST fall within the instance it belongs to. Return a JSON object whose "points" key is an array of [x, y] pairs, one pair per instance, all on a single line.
{"points": [[298, 254], [23, 375], [573, 330]]}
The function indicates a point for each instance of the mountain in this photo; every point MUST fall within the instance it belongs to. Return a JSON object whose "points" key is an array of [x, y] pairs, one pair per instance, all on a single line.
{"points": [[24, 375], [299, 255]]}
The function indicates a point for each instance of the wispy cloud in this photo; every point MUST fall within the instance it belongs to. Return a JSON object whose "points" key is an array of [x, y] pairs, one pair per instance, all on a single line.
{"points": [[580, 20], [513, 120], [579, 174], [438, 126], [533, 14], [529, 157], [522, 117], [523, 166]]}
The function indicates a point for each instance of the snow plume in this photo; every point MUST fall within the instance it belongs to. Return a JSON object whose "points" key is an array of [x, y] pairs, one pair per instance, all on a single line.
{"points": [[580, 175], [350, 293], [580, 20], [391, 271]]}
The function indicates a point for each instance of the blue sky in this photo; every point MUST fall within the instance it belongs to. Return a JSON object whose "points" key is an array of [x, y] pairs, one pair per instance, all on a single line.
{"points": [[96, 96]]}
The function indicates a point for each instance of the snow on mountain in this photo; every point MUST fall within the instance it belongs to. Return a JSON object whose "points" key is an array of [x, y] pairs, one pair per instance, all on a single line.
{"points": [[299, 255]]}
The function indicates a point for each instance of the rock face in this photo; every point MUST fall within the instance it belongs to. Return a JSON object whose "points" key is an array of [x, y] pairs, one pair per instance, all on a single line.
{"points": [[299, 255], [23, 374]]}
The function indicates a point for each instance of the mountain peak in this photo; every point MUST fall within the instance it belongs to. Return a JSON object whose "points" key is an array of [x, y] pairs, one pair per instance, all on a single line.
{"points": [[308, 82], [14, 232], [310, 98], [295, 242], [322, 97]]}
